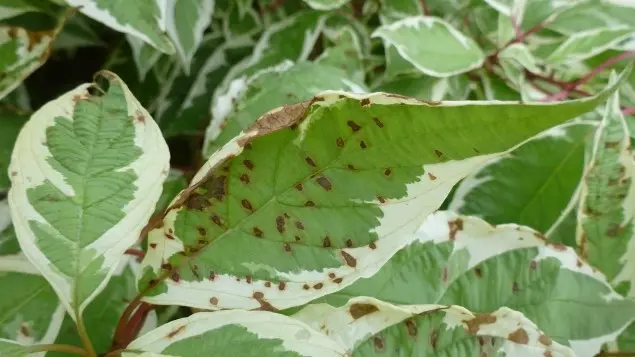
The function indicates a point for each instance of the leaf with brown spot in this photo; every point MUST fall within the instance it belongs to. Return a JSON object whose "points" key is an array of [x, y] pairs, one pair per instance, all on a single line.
{"points": [[360, 310]]}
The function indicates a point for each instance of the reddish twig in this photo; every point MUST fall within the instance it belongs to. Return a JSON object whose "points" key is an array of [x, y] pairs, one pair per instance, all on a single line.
{"points": [[609, 62], [424, 7], [628, 111]]}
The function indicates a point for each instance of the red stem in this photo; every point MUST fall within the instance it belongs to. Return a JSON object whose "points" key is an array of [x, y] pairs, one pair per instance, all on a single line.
{"points": [[140, 254], [609, 62], [628, 111], [424, 7]]}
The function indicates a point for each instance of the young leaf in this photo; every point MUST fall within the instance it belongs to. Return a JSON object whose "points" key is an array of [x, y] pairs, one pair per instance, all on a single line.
{"points": [[267, 89], [279, 216], [586, 44], [236, 333], [532, 185], [447, 51], [86, 172], [22, 53], [30, 312], [605, 216], [372, 327], [145, 20], [186, 21], [470, 263]]}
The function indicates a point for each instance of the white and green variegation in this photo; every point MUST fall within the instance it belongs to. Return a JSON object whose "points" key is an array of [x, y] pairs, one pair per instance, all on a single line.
{"points": [[236, 332], [447, 51], [86, 172], [586, 44]]}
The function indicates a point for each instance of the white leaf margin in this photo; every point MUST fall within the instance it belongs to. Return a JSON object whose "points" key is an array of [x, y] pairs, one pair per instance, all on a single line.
{"points": [[350, 331], [295, 335], [29, 168], [428, 21]]}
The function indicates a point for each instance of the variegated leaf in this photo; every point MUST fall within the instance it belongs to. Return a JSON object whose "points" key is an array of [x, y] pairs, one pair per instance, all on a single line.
{"points": [[346, 53], [447, 51], [22, 53], [143, 19], [10, 348], [250, 231], [607, 201], [86, 172], [236, 333], [465, 261], [325, 4], [371, 327], [144, 55], [186, 21], [586, 44], [285, 83]]}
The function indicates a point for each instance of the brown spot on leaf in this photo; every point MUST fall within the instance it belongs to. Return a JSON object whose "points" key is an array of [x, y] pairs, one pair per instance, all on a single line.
{"points": [[362, 144], [299, 225], [388, 172], [360, 310], [176, 331], [244, 178], [248, 164], [350, 261], [331, 275], [614, 230], [214, 300], [378, 122], [547, 354], [299, 187], [197, 202], [324, 182], [297, 238], [455, 226], [476, 150], [545, 340], [264, 304], [153, 245], [212, 276], [519, 336], [216, 219], [372, 245], [381, 199], [431, 177], [310, 162], [141, 118], [364, 102], [257, 232], [351, 124], [246, 204], [378, 342], [267, 284], [280, 224], [433, 338], [216, 187], [309, 204], [479, 319], [533, 265], [478, 272], [438, 153], [24, 330], [282, 285], [412, 328], [338, 280], [349, 243], [350, 167], [202, 231], [318, 286], [248, 279], [175, 276], [306, 287], [326, 242], [286, 247], [611, 144], [515, 287], [444, 274], [339, 142], [540, 236], [559, 247]]}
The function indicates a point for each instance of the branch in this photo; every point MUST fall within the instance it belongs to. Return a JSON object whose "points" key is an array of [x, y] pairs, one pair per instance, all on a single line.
{"points": [[609, 62]]}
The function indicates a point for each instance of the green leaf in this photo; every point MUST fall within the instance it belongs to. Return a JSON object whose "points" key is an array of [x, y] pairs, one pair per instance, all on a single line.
{"points": [[102, 316], [237, 333], [325, 5], [236, 24], [272, 87], [519, 53], [145, 20], [605, 216], [186, 21], [582, 16], [144, 55], [251, 231], [447, 51], [78, 32], [183, 107], [10, 348], [372, 327], [11, 8], [30, 312], [470, 263], [12, 122], [530, 186], [21, 53], [394, 10], [86, 172], [583, 45], [421, 87], [346, 54]]}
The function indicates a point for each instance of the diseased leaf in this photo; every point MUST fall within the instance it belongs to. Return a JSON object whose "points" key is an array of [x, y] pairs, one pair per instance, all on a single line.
{"points": [[30, 312], [249, 232], [142, 19], [463, 260], [605, 215], [186, 21], [372, 327], [21, 53], [586, 44], [174, 183], [267, 89], [530, 186], [447, 51], [86, 172], [237, 333]]}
